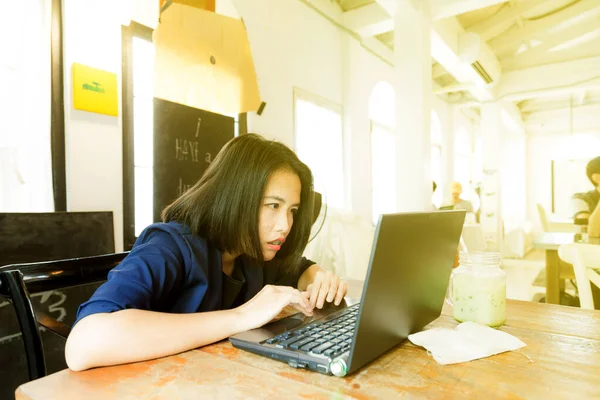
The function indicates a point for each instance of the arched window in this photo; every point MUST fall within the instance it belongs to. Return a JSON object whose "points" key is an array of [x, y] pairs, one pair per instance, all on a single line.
{"points": [[382, 105]]}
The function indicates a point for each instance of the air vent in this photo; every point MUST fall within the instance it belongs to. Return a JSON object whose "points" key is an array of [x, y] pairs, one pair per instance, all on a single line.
{"points": [[482, 72]]}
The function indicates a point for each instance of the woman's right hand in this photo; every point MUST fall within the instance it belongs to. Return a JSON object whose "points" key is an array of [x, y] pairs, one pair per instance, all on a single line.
{"points": [[269, 302]]}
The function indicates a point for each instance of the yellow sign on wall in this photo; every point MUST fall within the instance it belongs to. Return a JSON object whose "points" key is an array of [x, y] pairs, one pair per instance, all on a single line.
{"points": [[95, 90]]}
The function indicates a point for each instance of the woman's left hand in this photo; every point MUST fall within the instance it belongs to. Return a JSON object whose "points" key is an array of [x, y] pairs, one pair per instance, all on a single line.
{"points": [[326, 287]]}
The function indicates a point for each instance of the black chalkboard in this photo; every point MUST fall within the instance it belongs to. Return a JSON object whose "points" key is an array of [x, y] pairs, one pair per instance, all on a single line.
{"points": [[186, 140], [31, 237]]}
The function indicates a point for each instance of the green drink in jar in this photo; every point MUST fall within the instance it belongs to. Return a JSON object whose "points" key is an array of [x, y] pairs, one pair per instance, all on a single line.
{"points": [[477, 289]]}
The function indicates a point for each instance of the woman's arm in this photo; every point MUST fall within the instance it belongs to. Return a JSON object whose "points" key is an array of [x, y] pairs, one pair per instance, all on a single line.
{"points": [[135, 335]]}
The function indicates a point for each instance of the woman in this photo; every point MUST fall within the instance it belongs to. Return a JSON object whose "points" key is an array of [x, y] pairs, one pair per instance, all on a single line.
{"points": [[225, 259]]}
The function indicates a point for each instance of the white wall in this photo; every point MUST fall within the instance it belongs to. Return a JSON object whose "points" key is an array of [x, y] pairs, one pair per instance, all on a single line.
{"points": [[292, 46], [541, 150], [92, 36], [94, 151]]}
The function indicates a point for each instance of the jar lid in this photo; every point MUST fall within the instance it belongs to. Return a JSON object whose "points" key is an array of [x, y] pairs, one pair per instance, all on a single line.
{"points": [[483, 258]]}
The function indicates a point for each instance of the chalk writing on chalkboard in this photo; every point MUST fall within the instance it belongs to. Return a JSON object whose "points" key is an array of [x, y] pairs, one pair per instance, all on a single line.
{"points": [[198, 126], [186, 140], [183, 187]]}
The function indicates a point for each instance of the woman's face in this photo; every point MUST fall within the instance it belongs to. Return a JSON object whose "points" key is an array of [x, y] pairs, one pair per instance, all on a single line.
{"points": [[276, 216]]}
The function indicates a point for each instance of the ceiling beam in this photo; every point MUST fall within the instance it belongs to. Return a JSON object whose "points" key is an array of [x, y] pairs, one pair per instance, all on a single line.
{"points": [[561, 132], [590, 50], [537, 53], [369, 20], [537, 29], [507, 17], [450, 8], [552, 79], [438, 71], [564, 103], [334, 15], [376, 46], [390, 5], [584, 117], [581, 97]]}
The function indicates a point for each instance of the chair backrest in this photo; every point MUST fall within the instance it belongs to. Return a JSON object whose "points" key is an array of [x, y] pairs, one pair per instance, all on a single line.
{"points": [[585, 258], [35, 237], [32, 237], [19, 281], [543, 217]]}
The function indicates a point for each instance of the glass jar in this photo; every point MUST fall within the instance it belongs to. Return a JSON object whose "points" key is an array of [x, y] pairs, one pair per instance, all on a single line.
{"points": [[477, 289]]}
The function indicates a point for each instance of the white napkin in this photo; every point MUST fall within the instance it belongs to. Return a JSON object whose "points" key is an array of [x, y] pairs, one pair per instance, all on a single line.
{"points": [[468, 341]]}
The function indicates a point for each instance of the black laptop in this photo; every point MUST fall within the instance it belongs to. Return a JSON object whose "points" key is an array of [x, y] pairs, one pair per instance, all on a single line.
{"points": [[404, 290]]}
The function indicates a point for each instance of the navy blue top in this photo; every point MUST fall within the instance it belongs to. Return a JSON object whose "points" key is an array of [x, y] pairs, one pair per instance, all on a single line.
{"points": [[169, 269]]}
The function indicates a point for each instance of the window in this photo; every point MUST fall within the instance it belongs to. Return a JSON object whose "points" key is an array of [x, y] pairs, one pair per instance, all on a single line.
{"points": [[382, 114], [319, 144], [143, 129], [138, 130], [25, 100]]}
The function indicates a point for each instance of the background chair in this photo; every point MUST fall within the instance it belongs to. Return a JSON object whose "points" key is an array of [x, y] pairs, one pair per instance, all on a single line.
{"points": [[37, 237], [19, 281], [586, 264], [552, 223]]}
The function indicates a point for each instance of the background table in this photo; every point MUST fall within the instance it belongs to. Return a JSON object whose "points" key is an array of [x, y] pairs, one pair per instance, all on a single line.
{"points": [[556, 270]]}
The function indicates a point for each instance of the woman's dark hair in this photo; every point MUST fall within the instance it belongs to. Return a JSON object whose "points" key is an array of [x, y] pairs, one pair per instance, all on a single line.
{"points": [[223, 206], [593, 167]]}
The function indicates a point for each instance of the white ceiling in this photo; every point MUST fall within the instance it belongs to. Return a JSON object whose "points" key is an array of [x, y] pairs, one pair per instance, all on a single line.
{"points": [[548, 50]]}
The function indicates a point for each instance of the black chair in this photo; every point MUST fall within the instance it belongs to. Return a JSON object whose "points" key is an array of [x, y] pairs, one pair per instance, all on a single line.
{"points": [[19, 281]]}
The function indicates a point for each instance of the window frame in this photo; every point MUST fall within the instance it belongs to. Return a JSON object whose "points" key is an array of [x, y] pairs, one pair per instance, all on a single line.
{"points": [[301, 94], [127, 34], [57, 108]]}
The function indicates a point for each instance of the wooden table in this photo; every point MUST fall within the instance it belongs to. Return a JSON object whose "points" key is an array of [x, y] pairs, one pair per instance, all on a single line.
{"points": [[556, 269], [561, 361]]}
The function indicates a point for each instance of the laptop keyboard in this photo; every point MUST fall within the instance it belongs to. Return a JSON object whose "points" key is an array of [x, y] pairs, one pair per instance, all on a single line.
{"points": [[328, 338]]}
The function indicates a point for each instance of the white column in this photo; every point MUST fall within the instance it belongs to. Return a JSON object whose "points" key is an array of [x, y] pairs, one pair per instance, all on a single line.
{"points": [[412, 63], [357, 137], [491, 210], [449, 128]]}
